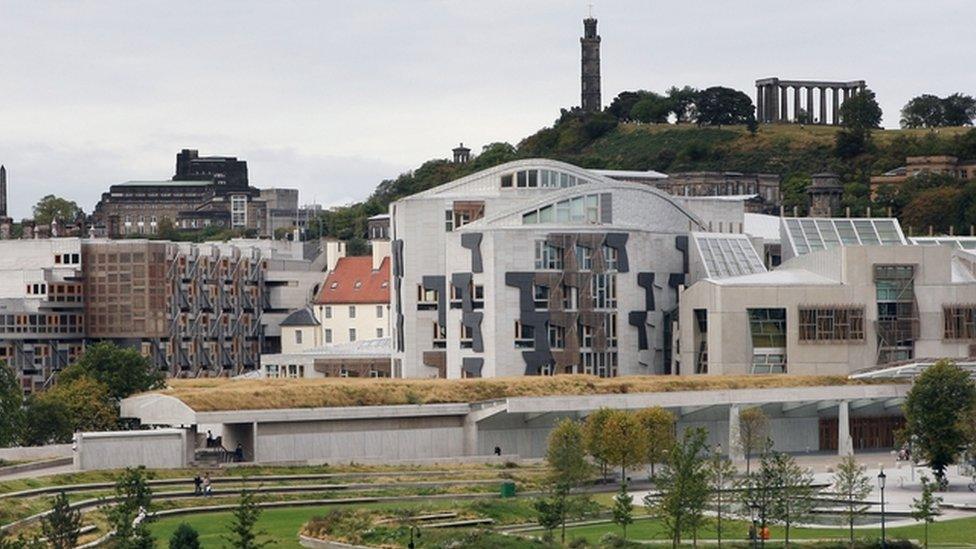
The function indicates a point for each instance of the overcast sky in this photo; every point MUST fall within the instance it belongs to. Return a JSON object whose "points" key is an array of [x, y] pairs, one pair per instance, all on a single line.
{"points": [[332, 97]]}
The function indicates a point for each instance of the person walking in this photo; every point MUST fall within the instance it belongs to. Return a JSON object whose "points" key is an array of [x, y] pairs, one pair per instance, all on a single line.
{"points": [[207, 488]]}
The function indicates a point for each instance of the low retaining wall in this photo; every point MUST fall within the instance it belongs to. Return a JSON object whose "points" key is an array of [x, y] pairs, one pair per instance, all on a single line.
{"points": [[315, 543], [156, 449], [35, 453]]}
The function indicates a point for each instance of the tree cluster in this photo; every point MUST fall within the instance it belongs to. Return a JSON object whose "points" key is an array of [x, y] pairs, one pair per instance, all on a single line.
{"points": [[931, 111], [85, 397], [714, 106]]}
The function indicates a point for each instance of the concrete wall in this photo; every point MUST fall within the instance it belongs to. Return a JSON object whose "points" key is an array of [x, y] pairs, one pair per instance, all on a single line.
{"points": [[350, 440], [158, 449], [32, 453]]}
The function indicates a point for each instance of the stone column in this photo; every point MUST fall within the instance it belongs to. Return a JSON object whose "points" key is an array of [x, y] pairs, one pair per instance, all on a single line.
{"points": [[836, 118], [823, 105], [470, 431], [759, 103], [796, 103], [810, 104], [735, 440], [784, 112], [769, 99], [845, 445]]}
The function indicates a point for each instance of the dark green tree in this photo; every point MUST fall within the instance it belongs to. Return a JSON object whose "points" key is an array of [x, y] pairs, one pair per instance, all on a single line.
{"points": [[52, 207], [184, 537], [719, 106], [566, 457], [652, 108], [623, 509], [860, 114], [958, 110], [623, 104], [550, 513], [133, 500], [62, 525], [924, 111], [683, 103], [11, 406], [124, 370], [935, 407], [926, 507], [46, 421], [242, 529], [795, 493], [683, 486], [721, 477]]}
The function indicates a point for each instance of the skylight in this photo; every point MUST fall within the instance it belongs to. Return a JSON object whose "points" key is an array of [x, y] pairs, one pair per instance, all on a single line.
{"points": [[811, 234], [726, 255]]}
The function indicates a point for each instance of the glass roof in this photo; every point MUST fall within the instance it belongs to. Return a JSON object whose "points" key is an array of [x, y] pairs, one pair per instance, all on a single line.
{"points": [[726, 255], [810, 234], [964, 242]]}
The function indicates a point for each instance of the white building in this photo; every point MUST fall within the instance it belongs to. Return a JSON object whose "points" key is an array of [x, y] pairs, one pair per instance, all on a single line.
{"points": [[541, 267]]}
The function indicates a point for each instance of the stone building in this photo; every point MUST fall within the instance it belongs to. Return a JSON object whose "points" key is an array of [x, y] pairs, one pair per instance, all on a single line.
{"points": [[825, 192], [773, 100], [204, 192], [916, 165], [590, 73], [760, 191]]}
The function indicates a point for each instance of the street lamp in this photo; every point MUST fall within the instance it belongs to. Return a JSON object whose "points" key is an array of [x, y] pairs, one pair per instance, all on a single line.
{"points": [[753, 511], [881, 485], [413, 529]]}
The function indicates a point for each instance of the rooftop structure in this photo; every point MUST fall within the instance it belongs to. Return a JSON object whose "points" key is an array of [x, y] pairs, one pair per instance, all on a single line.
{"points": [[726, 255], [801, 235], [772, 100]]}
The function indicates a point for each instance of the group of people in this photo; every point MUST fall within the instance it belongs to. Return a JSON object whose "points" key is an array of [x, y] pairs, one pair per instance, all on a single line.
{"points": [[202, 486]]}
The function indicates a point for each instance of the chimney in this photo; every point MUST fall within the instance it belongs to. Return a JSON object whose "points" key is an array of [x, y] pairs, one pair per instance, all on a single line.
{"points": [[381, 250], [334, 250]]}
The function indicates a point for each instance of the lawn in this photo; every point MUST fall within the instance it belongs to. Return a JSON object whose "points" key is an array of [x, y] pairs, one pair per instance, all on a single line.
{"points": [[957, 531]]}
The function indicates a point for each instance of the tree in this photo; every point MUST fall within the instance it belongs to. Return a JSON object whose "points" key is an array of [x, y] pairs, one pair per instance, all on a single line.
{"points": [[721, 475], [87, 402], [46, 422], [593, 439], [622, 105], [184, 537], [926, 507], [623, 509], [52, 207], [567, 463], [123, 370], [934, 407], [625, 442], [683, 486], [759, 490], [852, 485], [861, 111], [166, 230], [683, 103], [133, 500], [924, 111], [719, 106], [795, 492], [550, 513], [659, 424], [753, 432], [246, 515], [62, 525], [652, 108], [11, 406], [958, 110]]}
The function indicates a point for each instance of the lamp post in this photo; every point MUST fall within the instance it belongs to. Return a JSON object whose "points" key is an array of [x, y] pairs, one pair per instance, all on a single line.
{"points": [[413, 529], [881, 485], [753, 511]]}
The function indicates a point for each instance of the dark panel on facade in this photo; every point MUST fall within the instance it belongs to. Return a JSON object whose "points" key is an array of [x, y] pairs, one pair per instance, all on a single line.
{"points": [[472, 366], [638, 319], [618, 241], [438, 284], [681, 243], [646, 281], [472, 241]]}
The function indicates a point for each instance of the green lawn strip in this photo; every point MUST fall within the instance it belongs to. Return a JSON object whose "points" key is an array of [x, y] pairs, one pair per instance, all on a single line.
{"points": [[282, 525], [253, 471], [950, 531]]}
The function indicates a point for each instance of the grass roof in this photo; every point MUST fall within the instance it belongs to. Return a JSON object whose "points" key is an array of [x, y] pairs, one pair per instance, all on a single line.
{"points": [[207, 395]]}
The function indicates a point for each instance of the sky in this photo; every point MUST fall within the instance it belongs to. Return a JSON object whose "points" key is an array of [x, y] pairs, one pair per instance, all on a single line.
{"points": [[332, 97]]}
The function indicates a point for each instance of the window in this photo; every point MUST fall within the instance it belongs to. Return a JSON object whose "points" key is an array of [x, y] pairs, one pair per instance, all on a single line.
{"points": [[328, 335], [603, 364], [448, 220], [328, 311], [610, 262], [524, 336], [547, 256], [467, 337], [576, 210], [898, 323], [570, 298], [507, 180], [557, 336], [379, 312], [584, 258], [298, 337], [603, 288], [959, 321], [352, 334], [768, 328], [585, 335], [831, 324], [610, 329], [440, 336], [352, 311], [426, 299], [379, 333], [238, 210], [479, 297], [540, 296]]}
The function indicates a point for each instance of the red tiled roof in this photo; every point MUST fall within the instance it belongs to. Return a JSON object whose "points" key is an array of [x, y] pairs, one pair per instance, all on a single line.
{"points": [[354, 281]]}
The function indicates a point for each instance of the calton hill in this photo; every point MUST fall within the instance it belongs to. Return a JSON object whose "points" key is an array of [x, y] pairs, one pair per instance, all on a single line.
{"points": [[715, 130]]}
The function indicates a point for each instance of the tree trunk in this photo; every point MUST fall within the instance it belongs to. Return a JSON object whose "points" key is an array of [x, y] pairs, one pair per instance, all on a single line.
{"points": [[852, 527]]}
